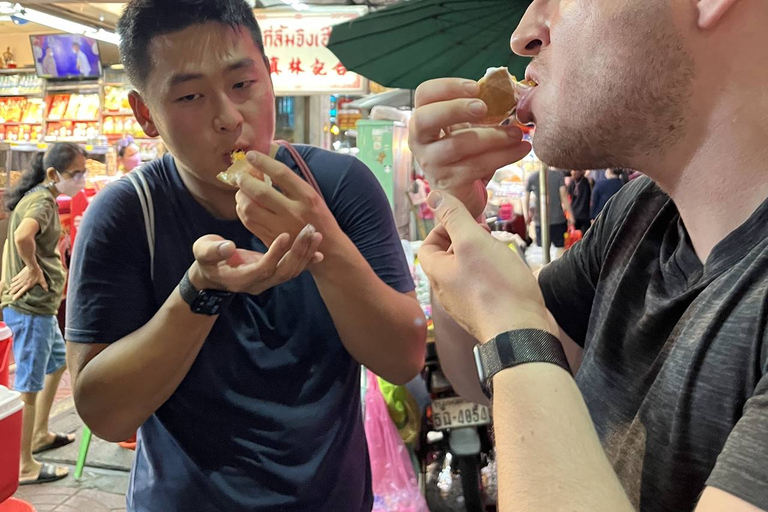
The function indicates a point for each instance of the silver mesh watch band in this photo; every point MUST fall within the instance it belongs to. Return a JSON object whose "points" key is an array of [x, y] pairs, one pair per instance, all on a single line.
{"points": [[514, 348]]}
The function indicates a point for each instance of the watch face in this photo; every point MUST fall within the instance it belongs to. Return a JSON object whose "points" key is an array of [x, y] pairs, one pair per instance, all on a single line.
{"points": [[210, 302]]}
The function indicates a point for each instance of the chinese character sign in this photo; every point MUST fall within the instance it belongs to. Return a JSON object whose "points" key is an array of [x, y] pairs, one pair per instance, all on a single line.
{"points": [[300, 63]]}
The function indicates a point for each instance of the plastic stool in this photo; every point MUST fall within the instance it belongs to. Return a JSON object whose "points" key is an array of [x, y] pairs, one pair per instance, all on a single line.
{"points": [[85, 443], [16, 505]]}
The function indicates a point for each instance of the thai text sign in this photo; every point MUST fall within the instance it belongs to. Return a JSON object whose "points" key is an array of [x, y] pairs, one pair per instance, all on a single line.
{"points": [[295, 43]]}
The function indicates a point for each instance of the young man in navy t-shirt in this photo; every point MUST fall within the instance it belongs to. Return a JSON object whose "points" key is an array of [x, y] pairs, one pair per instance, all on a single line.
{"points": [[251, 401]]}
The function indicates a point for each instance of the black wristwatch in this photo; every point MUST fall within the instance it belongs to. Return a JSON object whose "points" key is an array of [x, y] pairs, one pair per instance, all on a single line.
{"points": [[514, 348], [203, 302]]}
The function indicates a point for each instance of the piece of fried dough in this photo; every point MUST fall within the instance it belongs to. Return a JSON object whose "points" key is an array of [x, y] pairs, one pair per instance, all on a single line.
{"points": [[501, 92], [239, 166]]}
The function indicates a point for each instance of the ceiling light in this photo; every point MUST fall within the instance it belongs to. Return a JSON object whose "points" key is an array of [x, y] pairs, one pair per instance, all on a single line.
{"points": [[64, 25], [7, 8]]}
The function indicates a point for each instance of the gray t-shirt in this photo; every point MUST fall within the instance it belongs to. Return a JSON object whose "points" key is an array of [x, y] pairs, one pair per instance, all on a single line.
{"points": [[675, 370], [556, 180]]}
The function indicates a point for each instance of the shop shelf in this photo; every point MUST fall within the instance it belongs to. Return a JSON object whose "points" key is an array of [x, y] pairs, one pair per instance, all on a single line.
{"points": [[72, 120]]}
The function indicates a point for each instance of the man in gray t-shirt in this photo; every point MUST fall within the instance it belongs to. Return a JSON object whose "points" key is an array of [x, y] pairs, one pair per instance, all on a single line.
{"points": [[558, 205], [674, 377]]}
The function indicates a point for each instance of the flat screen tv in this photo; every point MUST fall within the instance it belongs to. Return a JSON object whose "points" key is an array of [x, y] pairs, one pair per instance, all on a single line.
{"points": [[66, 56]]}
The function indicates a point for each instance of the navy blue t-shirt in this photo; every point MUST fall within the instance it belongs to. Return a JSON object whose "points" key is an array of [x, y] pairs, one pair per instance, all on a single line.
{"points": [[268, 417], [602, 192]]}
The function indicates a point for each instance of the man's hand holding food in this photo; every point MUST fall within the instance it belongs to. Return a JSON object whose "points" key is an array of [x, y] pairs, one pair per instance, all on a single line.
{"points": [[453, 144], [290, 218], [484, 285]]}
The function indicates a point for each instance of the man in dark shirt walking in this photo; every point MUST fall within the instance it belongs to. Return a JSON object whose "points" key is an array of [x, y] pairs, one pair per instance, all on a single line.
{"points": [[603, 191], [580, 193], [664, 299]]}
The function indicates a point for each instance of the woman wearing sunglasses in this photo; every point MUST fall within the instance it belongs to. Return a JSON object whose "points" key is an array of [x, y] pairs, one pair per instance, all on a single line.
{"points": [[33, 282]]}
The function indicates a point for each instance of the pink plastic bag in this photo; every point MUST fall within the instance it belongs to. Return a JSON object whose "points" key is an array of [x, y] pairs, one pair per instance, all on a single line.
{"points": [[395, 487]]}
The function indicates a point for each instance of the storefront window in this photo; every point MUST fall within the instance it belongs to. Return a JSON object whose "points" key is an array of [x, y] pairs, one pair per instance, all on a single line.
{"points": [[291, 119]]}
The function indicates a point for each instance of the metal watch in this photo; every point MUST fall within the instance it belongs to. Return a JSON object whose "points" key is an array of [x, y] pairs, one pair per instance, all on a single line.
{"points": [[514, 348], [203, 302]]}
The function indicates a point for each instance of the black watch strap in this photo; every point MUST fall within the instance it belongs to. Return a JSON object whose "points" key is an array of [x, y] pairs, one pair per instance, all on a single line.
{"points": [[203, 302], [514, 348]]}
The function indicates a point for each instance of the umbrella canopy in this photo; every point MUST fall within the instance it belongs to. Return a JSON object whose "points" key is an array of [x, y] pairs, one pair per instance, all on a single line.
{"points": [[417, 40]]}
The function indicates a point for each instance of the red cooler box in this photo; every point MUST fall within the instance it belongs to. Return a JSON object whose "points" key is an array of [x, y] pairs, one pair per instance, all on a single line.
{"points": [[10, 441], [6, 341]]}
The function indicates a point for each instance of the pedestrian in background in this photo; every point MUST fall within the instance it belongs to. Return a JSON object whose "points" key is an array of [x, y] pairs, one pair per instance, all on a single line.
{"points": [[580, 194], [558, 205], [33, 284], [604, 190]]}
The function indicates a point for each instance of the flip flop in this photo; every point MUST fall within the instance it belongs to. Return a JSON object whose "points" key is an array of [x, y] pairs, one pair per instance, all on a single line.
{"points": [[59, 440], [47, 475]]}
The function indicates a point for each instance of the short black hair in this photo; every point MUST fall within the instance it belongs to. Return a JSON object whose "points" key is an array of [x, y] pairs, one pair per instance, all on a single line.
{"points": [[143, 20]]}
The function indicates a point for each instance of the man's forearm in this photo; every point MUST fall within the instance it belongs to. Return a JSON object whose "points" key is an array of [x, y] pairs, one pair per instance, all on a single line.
{"points": [[130, 379], [455, 345], [548, 451], [567, 208], [455, 350], [381, 328]]}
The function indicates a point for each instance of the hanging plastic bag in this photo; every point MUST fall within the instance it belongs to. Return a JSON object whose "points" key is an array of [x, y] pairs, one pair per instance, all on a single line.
{"points": [[572, 236], [395, 487], [403, 410]]}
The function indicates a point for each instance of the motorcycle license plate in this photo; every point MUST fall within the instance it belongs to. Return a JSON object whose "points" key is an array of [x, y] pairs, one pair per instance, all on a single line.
{"points": [[456, 412]]}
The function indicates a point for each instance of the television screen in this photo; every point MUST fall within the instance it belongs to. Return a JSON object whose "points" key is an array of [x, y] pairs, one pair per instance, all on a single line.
{"points": [[66, 56]]}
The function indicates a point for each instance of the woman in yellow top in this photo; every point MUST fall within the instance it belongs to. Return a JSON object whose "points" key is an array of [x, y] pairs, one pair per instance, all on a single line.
{"points": [[33, 283]]}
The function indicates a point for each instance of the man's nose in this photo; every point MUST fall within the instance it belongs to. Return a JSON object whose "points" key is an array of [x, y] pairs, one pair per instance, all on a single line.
{"points": [[229, 118], [532, 34]]}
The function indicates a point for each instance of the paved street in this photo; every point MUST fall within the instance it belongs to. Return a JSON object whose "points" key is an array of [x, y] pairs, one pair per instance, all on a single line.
{"points": [[105, 480]]}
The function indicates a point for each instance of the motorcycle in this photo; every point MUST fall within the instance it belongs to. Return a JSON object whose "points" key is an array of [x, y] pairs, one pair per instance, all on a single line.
{"points": [[456, 448]]}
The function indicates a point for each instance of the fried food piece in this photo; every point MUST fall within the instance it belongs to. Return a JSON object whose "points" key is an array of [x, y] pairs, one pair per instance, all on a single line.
{"points": [[501, 92], [239, 166]]}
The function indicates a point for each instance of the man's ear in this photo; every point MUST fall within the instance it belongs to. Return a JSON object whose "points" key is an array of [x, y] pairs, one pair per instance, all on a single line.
{"points": [[711, 11], [142, 114]]}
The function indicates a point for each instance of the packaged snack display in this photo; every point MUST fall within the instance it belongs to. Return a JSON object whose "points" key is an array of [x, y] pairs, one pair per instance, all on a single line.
{"points": [[122, 125], [116, 99], [57, 106]]}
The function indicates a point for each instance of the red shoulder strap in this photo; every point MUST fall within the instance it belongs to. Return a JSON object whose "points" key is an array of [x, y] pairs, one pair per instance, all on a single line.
{"points": [[303, 167]]}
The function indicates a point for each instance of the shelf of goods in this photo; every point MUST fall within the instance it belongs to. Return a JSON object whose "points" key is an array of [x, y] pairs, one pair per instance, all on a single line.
{"points": [[33, 109], [16, 157]]}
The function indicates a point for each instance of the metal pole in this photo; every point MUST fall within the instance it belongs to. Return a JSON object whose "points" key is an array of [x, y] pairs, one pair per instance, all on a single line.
{"points": [[544, 213]]}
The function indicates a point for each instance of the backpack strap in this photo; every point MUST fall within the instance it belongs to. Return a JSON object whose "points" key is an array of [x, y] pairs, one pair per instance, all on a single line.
{"points": [[141, 185]]}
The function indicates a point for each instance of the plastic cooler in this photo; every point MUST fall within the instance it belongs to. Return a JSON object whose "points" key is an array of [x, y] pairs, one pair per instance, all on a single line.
{"points": [[6, 340], [10, 442], [16, 505]]}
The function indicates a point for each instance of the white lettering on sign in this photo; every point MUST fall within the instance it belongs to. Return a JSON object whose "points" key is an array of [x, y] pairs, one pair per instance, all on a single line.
{"points": [[296, 45]]}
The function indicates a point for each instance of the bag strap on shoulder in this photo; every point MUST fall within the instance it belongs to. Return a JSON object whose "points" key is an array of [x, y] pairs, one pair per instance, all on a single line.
{"points": [[141, 185], [302, 164]]}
